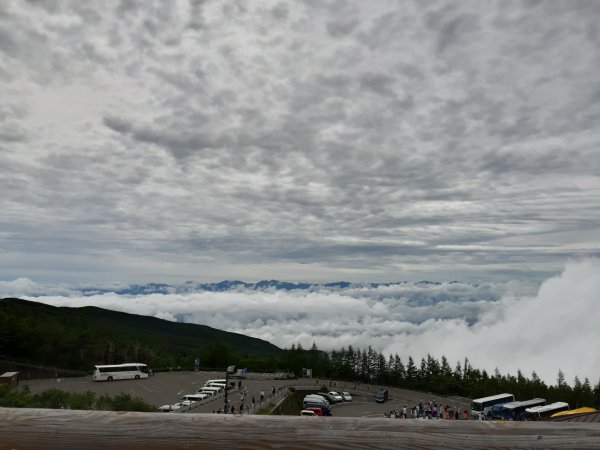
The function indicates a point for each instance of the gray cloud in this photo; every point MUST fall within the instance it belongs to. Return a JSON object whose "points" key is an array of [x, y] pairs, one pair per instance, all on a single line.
{"points": [[297, 140]]}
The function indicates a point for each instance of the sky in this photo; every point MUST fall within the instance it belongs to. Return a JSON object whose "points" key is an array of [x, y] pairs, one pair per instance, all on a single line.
{"points": [[298, 140], [318, 141]]}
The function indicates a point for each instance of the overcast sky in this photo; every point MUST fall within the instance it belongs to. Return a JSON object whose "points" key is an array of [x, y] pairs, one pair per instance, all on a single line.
{"points": [[298, 140]]}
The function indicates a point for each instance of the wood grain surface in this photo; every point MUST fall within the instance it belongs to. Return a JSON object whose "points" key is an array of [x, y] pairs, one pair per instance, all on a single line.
{"points": [[69, 429]]}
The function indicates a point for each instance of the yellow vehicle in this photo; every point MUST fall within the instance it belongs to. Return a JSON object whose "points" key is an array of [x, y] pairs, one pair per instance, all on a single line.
{"points": [[568, 412]]}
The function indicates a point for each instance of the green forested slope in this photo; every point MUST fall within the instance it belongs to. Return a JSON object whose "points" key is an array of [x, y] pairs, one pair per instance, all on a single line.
{"points": [[78, 338]]}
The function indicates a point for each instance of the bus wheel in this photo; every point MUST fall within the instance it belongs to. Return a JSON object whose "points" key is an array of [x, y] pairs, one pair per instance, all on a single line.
{"points": [[137, 377], [109, 379]]}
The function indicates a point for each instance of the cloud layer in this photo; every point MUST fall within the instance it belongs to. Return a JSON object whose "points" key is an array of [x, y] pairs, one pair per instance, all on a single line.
{"points": [[145, 141], [510, 326]]}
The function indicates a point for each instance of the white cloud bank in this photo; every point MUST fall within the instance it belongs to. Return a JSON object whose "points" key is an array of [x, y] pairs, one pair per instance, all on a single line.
{"points": [[508, 326]]}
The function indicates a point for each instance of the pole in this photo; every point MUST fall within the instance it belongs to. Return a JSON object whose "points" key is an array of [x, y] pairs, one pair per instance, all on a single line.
{"points": [[226, 386]]}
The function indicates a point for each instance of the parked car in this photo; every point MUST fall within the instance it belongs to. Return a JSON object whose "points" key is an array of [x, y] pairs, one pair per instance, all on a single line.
{"points": [[207, 389], [317, 397], [382, 396], [338, 397], [173, 407], [315, 401], [327, 396], [346, 396], [220, 380], [309, 412], [319, 410], [193, 397], [215, 384]]}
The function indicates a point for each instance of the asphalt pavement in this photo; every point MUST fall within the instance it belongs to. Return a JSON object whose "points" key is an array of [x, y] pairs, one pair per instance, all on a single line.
{"points": [[168, 387]]}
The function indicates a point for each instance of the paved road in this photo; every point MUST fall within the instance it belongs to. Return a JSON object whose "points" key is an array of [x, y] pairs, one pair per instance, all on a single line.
{"points": [[167, 387]]}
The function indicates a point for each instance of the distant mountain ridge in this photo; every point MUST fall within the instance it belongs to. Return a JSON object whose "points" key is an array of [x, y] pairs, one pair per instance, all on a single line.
{"points": [[232, 285]]}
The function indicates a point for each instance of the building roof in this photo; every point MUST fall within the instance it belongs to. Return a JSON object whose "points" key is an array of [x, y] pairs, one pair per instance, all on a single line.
{"points": [[8, 374]]}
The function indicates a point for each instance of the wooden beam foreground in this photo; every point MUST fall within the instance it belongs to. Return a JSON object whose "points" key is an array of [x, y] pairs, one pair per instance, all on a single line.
{"points": [[69, 429]]}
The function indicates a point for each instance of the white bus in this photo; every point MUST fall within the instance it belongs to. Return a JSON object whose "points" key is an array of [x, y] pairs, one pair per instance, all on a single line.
{"points": [[515, 410], [544, 412], [121, 372], [484, 405]]}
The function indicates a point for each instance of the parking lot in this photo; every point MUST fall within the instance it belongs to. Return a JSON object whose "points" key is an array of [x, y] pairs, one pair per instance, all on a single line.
{"points": [[167, 387]]}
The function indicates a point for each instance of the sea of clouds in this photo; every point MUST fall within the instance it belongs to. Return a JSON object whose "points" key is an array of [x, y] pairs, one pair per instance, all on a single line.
{"points": [[543, 327]]}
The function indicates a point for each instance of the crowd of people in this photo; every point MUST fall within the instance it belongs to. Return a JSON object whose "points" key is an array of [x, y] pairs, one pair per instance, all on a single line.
{"points": [[242, 407], [429, 410]]}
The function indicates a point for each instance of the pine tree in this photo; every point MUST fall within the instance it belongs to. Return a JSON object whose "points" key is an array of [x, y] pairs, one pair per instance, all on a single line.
{"points": [[458, 372], [411, 371], [446, 369]]}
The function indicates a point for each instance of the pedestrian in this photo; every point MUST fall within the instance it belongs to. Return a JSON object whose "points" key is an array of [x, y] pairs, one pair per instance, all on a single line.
{"points": [[240, 384], [253, 402]]}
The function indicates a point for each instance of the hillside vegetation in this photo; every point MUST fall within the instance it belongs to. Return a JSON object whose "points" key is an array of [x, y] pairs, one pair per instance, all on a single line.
{"points": [[78, 338]]}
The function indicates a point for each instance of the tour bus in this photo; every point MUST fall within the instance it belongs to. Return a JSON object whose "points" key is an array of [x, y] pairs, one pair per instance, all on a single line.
{"points": [[515, 410], [484, 405], [121, 372], [544, 412]]}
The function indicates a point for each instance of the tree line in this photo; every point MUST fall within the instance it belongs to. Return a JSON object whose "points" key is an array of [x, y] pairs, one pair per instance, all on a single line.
{"points": [[437, 376], [57, 399]]}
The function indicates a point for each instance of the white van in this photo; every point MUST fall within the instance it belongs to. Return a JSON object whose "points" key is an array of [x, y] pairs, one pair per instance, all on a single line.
{"points": [[207, 382], [203, 392], [213, 390], [193, 397], [212, 384]]}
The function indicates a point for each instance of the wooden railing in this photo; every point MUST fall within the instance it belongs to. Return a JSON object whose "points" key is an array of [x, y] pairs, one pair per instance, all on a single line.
{"points": [[66, 429]]}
